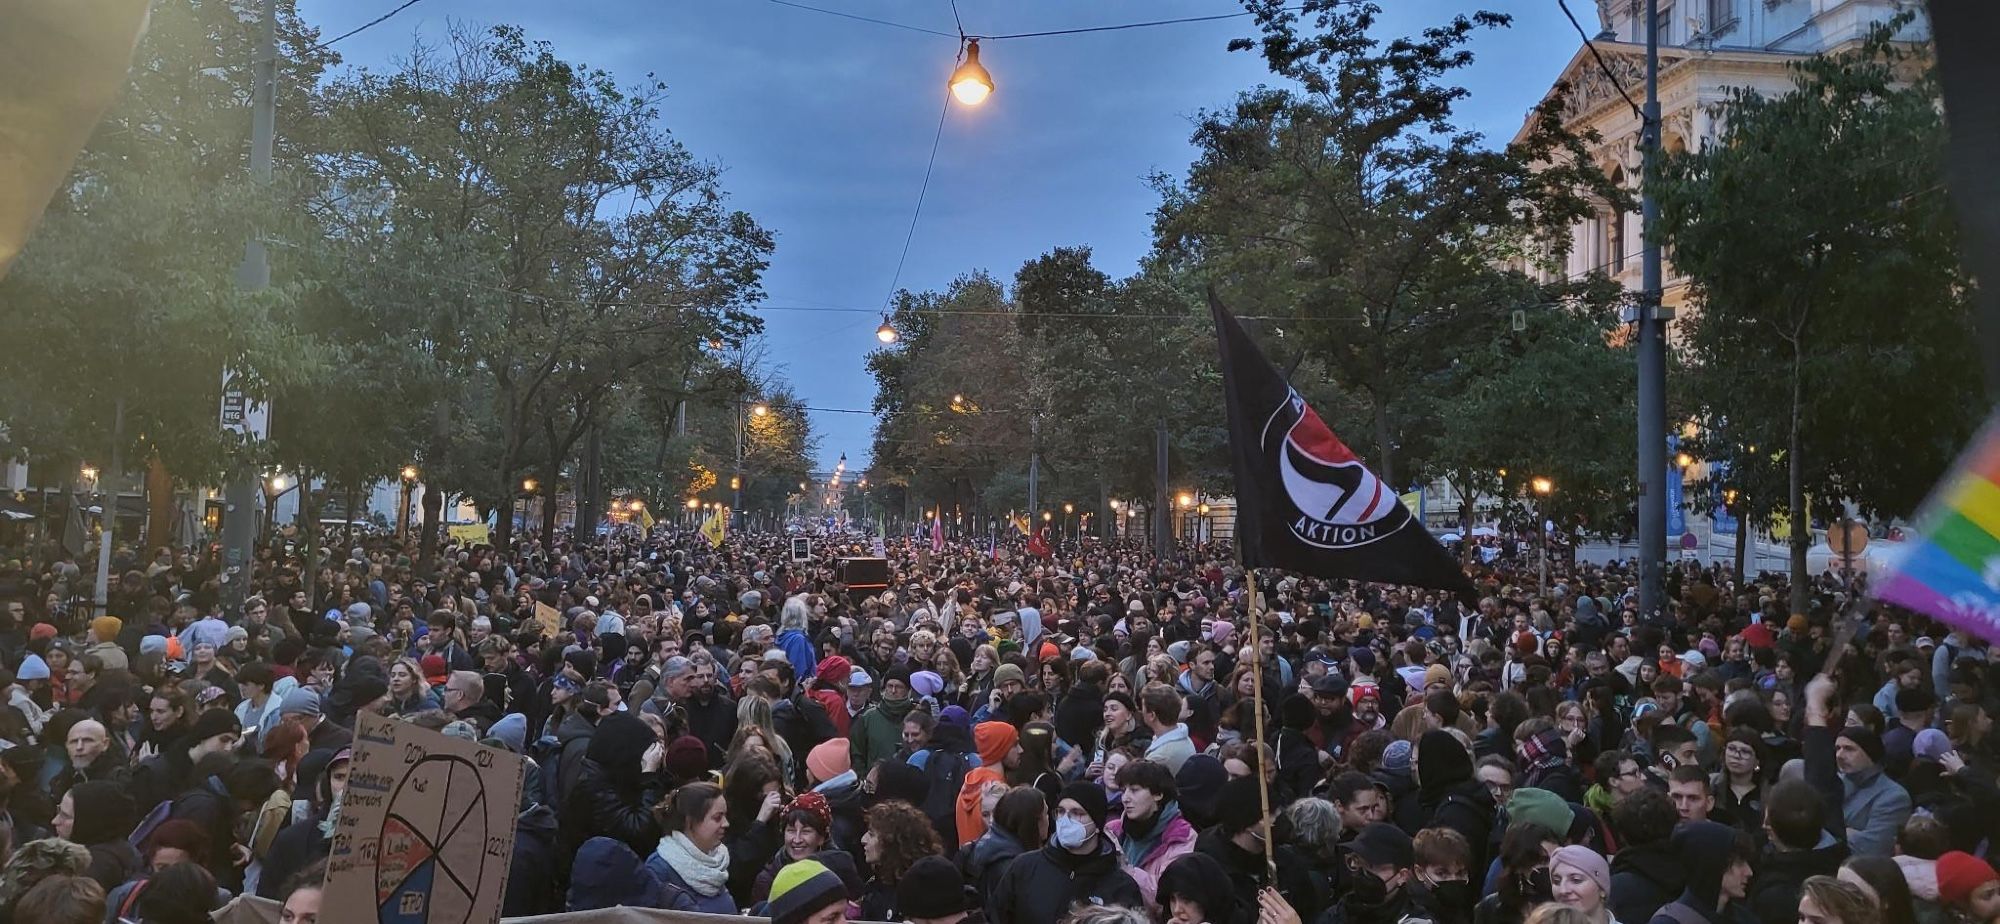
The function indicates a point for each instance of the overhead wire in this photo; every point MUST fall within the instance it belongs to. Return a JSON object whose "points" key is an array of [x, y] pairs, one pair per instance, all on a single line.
{"points": [[370, 24], [1602, 65], [922, 191], [859, 18]]}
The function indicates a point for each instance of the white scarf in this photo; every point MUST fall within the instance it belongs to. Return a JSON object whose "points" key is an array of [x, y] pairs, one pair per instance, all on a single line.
{"points": [[705, 873]]}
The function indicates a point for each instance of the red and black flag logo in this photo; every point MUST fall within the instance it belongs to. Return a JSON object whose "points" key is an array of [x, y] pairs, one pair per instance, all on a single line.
{"points": [[1304, 502]]}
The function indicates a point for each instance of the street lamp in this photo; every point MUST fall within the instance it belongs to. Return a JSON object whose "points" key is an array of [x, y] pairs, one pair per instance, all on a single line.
{"points": [[885, 333], [529, 485], [89, 473], [1683, 460], [403, 509], [970, 83], [1185, 500], [1543, 487], [694, 503], [759, 410]]}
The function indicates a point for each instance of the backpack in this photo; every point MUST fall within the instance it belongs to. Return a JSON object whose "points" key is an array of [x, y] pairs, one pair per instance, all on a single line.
{"points": [[945, 771]]}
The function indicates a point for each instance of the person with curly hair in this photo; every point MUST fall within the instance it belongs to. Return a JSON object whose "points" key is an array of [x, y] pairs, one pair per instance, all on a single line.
{"points": [[806, 828], [898, 836]]}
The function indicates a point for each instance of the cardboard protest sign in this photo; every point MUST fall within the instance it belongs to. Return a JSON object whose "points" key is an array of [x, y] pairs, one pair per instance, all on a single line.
{"points": [[426, 828]]}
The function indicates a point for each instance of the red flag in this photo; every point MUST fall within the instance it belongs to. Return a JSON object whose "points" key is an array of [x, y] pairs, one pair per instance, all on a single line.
{"points": [[1039, 546]]}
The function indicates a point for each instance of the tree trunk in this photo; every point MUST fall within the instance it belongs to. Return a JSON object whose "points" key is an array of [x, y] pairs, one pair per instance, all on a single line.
{"points": [[1385, 453], [590, 488], [162, 515], [348, 498], [433, 504], [308, 526], [1466, 502], [549, 493], [1801, 538], [433, 499], [1742, 544]]}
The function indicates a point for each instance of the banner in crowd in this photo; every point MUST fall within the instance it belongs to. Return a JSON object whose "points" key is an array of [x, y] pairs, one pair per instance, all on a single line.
{"points": [[1951, 568], [1305, 503], [549, 618], [714, 530], [426, 829], [249, 909], [470, 533]]}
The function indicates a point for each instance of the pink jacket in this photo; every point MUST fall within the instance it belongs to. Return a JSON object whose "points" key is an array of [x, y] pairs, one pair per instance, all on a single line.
{"points": [[1175, 839]]}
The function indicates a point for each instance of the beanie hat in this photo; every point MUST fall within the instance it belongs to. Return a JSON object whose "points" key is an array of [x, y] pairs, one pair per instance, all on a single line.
{"points": [[1396, 757], [175, 651], [302, 701], [687, 758], [1008, 672], [993, 740], [898, 674], [1437, 673], [801, 888], [1930, 744], [829, 759], [42, 630], [435, 670], [1959, 874], [1796, 624], [32, 668], [106, 628], [931, 888], [1090, 797], [1584, 860], [214, 722], [1541, 807], [834, 670], [956, 716], [1865, 740], [153, 645], [926, 683], [1237, 807]]}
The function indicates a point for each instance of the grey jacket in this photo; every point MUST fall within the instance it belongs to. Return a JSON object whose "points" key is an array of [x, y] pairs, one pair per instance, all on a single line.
{"points": [[1874, 808]]}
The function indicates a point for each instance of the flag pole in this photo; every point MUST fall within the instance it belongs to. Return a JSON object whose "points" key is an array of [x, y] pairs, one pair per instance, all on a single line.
{"points": [[1257, 698]]}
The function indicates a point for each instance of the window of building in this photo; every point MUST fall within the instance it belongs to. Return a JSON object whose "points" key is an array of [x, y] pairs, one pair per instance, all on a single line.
{"points": [[1665, 23], [1721, 16]]}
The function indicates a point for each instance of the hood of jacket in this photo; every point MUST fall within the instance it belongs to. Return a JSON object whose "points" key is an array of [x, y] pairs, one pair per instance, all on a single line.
{"points": [[1441, 764], [608, 872], [995, 846], [103, 812], [1170, 830], [1658, 863], [1705, 848], [574, 726]]}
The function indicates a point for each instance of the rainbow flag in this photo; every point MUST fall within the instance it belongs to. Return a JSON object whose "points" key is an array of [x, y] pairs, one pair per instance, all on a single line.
{"points": [[1951, 568]]}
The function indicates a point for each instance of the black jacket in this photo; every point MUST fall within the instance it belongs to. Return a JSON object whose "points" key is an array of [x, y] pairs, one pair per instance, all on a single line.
{"points": [[531, 876], [987, 859], [1646, 876], [1466, 807], [715, 723], [599, 807], [1039, 887], [1248, 874], [1774, 891]]}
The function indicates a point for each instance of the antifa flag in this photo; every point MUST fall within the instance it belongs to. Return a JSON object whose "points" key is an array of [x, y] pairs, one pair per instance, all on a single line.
{"points": [[1304, 503]]}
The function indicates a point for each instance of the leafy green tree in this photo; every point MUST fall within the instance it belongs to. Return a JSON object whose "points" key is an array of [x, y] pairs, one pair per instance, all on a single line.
{"points": [[1833, 325], [1350, 203]]}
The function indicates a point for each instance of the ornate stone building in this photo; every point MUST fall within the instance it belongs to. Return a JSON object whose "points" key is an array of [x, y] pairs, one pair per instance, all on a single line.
{"points": [[1707, 47]]}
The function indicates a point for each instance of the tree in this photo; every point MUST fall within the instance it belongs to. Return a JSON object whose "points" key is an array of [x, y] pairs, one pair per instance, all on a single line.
{"points": [[1833, 324], [595, 241], [1350, 205]]}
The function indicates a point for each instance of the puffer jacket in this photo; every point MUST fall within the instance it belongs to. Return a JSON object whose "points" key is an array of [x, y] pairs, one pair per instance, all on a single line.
{"points": [[1171, 839], [1041, 886]]}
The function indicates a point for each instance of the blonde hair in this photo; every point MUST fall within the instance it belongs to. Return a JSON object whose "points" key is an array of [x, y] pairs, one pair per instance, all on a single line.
{"points": [[1557, 913]]}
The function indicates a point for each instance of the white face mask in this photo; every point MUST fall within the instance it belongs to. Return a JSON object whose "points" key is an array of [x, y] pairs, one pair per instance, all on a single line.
{"points": [[1071, 834]]}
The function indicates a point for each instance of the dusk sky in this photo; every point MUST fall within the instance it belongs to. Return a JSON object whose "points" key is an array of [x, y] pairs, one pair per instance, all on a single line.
{"points": [[823, 126]]}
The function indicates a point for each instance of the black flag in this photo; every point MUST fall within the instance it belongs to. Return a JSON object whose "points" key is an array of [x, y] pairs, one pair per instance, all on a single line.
{"points": [[1303, 501]]}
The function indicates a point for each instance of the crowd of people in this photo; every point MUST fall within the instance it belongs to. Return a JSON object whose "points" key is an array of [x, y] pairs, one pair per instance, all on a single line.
{"points": [[1091, 736]]}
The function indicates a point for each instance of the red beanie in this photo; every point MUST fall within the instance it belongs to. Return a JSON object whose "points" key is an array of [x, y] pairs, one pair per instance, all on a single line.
{"points": [[1959, 873]]}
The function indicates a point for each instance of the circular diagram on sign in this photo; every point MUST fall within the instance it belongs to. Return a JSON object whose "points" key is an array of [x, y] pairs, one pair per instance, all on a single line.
{"points": [[432, 854]]}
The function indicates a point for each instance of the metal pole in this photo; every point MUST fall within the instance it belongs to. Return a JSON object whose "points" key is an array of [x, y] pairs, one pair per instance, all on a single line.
{"points": [[1652, 348], [736, 481], [239, 529]]}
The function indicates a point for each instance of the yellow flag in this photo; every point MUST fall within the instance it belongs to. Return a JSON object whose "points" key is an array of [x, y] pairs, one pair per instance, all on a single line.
{"points": [[646, 519], [714, 530]]}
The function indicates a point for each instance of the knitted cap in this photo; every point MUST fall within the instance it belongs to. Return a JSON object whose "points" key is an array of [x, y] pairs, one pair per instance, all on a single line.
{"points": [[931, 888], [106, 628], [1866, 740], [687, 757], [214, 722], [802, 888], [1090, 797], [32, 668], [1008, 672], [1584, 860], [302, 701], [1959, 874], [829, 759], [1541, 807]]}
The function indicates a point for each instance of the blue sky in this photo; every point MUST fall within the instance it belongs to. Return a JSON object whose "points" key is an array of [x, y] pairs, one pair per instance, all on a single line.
{"points": [[823, 126]]}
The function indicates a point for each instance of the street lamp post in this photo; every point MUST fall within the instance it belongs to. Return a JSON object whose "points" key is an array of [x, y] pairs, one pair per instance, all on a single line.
{"points": [[403, 509], [1542, 487]]}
